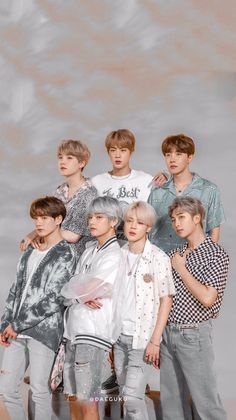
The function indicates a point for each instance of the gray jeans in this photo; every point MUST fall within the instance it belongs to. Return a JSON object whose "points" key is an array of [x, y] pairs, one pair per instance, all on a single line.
{"points": [[131, 370], [187, 356], [16, 358]]}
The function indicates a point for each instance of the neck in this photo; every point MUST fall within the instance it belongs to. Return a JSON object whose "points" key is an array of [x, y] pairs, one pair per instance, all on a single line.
{"points": [[196, 238], [52, 239], [183, 178], [121, 171], [137, 247], [74, 181], [102, 239]]}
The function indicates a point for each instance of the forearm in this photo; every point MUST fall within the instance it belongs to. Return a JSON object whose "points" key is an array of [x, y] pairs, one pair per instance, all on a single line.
{"points": [[31, 316], [70, 237], [206, 295], [88, 290], [162, 317]]}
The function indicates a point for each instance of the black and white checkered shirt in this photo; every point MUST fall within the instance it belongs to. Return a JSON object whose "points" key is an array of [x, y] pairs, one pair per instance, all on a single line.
{"points": [[208, 263]]}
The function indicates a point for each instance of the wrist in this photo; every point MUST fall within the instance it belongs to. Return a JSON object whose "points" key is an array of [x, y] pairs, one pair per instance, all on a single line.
{"points": [[154, 344], [182, 270]]}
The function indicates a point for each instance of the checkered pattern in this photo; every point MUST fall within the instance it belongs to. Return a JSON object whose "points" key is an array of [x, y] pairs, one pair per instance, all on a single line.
{"points": [[208, 263]]}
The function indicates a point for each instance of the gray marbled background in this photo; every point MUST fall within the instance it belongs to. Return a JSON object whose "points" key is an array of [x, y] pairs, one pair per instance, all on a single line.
{"points": [[82, 68]]}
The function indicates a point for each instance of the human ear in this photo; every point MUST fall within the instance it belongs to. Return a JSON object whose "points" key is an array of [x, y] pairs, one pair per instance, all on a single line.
{"points": [[114, 223], [197, 219], [58, 220], [190, 158], [82, 164]]}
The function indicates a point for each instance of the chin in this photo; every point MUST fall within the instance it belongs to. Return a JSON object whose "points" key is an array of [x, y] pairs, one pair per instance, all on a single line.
{"points": [[131, 238]]}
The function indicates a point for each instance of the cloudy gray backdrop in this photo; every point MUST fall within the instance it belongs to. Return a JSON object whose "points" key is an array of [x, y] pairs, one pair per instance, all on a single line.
{"points": [[83, 68]]}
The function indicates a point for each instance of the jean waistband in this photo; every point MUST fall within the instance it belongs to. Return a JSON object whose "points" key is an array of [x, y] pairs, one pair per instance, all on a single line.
{"points": [[189, 326]]}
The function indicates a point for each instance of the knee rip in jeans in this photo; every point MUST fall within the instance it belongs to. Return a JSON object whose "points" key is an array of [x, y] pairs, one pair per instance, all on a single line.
{"points": [[131, 397], [81, 364], [4, 372]]}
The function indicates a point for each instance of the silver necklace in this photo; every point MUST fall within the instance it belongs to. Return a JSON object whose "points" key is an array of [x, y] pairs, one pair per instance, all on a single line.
{"points": [[134, 266], [122, 176]]}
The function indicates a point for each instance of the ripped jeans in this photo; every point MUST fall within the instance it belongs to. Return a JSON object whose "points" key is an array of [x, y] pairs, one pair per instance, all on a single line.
{"points": [[83, 370], [21, 353], [132, 371]]}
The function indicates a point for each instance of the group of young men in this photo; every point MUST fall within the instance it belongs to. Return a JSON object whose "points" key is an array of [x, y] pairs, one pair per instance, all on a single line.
{"points": [[150, 301]]}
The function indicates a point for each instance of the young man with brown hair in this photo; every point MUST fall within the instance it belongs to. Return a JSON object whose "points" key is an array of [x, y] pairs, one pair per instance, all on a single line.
{"points": [[31, 327], [178, 151], [122, 182]]}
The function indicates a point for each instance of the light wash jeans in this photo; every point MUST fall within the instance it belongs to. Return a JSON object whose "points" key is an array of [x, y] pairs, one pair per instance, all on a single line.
{"points": [[187, 355], [21, 353], [132, 371], [83, 370]]}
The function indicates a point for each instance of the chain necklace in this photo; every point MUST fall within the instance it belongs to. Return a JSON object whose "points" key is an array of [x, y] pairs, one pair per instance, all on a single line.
{"points": [[132, 268], [119, 177]]}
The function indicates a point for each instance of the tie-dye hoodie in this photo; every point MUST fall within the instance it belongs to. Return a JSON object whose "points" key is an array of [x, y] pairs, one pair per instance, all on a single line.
{"points": [[41, 314]]}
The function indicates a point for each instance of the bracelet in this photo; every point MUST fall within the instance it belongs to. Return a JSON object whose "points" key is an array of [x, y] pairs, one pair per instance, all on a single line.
{"points": [[157, 345]]}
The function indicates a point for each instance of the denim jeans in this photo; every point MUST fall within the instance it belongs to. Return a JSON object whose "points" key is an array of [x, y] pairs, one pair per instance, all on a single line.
{"points": [[83, 370], [131, 370], [187, 355], [21, 353]]}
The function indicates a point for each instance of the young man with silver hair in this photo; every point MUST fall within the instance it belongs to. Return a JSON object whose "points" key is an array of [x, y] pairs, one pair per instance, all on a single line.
{"points": [[91, 296]]}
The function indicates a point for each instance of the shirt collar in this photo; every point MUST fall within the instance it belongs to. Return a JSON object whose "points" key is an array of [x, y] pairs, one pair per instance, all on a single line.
{"points": [[108, 243], [196, 183]]}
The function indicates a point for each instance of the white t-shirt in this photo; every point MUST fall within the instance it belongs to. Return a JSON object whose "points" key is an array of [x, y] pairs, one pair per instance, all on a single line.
{"points": [[129, 308], [129, 188], [33, 262]]}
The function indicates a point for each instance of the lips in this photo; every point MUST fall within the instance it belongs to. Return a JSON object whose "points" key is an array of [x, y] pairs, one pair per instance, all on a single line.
{"points": [[40, 231], [63, 167], [132, 233]]}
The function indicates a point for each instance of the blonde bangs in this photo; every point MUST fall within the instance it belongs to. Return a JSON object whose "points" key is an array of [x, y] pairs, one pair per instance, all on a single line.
{"points": [[74, 148], [144, 212]]}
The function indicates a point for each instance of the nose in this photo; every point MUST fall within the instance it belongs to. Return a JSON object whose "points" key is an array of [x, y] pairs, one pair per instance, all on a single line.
{"points": [[91, 221], [63, 160], [176, 223]]}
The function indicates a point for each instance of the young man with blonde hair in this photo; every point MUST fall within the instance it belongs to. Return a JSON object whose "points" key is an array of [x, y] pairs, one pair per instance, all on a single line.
{"points": [[147, 298], [200, 269], [76, 193]]}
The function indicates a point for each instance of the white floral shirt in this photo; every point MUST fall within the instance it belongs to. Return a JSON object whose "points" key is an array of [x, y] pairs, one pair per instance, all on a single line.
{"points": [[153, 280]]}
